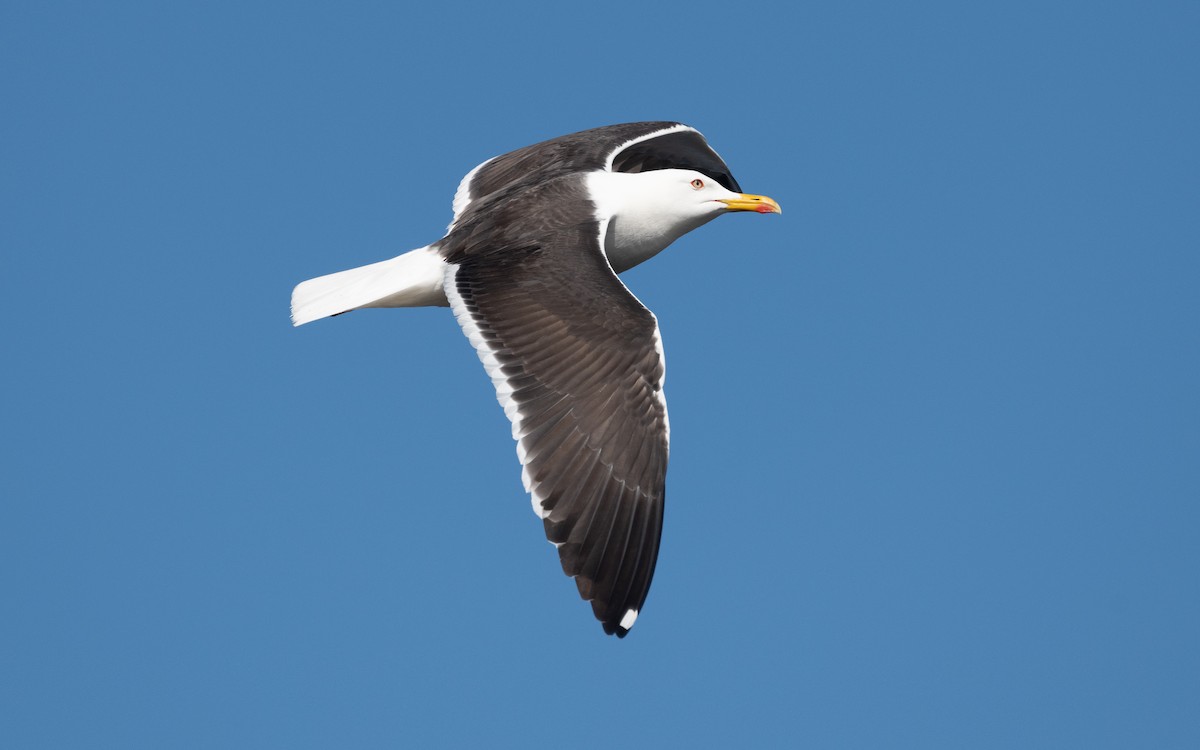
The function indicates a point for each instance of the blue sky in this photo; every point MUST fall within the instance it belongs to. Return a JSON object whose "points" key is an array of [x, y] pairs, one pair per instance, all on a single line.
{"points": [[936, 430]]}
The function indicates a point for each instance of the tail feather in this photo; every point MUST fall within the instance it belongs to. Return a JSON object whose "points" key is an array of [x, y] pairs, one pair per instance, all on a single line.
{"points": [[410, 280]]}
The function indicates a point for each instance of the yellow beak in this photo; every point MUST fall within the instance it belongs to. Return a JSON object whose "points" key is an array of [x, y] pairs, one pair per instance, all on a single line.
{"points": [[746, 202]]}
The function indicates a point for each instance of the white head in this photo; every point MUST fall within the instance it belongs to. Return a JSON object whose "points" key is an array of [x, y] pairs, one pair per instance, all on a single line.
{"points": [[647, 211]]}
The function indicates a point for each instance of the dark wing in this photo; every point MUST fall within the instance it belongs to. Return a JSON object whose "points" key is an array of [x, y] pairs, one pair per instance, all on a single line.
{"points": [[577, 364], [631, 147], [681, 149]]}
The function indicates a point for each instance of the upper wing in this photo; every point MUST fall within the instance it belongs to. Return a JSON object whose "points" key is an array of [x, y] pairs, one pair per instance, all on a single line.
{"points": [[577, 364], [630, 147]]}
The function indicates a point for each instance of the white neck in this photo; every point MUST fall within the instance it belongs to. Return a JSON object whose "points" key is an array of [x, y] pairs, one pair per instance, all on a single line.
{"points": [[642, 220]]}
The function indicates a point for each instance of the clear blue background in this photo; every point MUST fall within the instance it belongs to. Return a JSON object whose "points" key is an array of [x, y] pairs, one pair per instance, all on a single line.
{"points": [[936, 464]]}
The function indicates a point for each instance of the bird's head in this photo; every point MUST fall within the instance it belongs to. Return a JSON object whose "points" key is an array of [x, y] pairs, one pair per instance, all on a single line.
{"points": [[650, 210], [690, 195]]}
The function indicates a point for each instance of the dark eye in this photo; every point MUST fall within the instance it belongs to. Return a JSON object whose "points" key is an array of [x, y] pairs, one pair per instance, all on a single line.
{"points": [[697, 183]]}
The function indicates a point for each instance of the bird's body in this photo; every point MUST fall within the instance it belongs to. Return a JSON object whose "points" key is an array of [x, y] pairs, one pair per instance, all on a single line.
{"points": [[528, 265]]}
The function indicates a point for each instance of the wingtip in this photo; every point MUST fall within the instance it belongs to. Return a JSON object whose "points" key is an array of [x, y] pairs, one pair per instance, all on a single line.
{"points": [[622, 628]]}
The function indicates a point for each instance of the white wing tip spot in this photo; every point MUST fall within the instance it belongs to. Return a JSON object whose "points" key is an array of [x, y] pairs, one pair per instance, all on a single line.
{"points": [[629, 618], [538, 507]]}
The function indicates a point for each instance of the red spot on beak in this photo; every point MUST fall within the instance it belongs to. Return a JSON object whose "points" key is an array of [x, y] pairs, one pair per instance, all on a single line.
{"points": [[765, 209]]}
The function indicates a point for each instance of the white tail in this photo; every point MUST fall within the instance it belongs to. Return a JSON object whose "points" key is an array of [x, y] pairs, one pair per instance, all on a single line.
{"points": [[410, 280]]}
